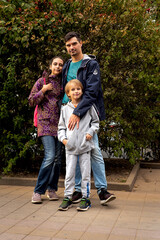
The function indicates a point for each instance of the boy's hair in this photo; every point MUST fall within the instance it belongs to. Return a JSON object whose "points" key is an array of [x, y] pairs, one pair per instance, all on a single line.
{"points": [[71, 35], [68, 85]]}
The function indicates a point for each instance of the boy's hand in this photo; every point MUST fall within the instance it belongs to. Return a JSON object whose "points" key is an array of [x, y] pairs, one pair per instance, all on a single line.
{"points": [[72, 122], [64, 141], [88, 137]]}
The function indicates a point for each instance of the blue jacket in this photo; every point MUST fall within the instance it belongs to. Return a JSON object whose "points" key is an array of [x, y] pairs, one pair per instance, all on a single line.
{"points": [[89, 75]]}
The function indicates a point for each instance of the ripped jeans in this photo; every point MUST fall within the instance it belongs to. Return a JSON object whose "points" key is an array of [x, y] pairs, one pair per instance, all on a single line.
{"points": [[50, 168]]}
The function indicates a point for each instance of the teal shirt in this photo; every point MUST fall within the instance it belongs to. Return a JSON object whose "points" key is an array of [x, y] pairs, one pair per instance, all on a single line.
{"points": [[72, 74]]}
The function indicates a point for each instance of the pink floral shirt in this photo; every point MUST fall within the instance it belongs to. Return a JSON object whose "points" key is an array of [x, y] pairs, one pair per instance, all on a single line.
{"points": [[48, 111]]}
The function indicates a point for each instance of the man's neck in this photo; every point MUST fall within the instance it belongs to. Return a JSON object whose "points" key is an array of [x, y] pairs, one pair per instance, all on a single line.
{"points": [[77, 58]]}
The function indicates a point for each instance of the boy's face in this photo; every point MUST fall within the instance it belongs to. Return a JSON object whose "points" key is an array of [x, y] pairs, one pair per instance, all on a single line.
{"points": [[75, 92], [74, 47]]}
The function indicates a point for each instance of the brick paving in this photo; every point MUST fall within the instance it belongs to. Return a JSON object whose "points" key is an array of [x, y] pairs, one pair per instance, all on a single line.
{"points": [[132, 216]]}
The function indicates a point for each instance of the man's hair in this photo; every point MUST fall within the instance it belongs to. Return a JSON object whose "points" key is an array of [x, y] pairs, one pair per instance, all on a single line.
{"points": [[71, 35], [73, 81]]}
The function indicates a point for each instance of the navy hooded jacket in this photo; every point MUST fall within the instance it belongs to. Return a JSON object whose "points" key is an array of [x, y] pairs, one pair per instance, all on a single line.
{"points": [[89, 75]]}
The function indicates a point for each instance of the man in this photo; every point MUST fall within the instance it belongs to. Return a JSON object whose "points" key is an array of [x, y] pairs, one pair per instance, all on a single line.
{"points": [[86, 69]]}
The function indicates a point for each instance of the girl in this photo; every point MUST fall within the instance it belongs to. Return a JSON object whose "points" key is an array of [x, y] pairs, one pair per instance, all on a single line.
{"points": [[46, 94]]}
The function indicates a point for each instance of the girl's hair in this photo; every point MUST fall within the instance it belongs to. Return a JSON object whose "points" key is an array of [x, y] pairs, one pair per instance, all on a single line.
{"points": [[73, 81], [50, 62]]}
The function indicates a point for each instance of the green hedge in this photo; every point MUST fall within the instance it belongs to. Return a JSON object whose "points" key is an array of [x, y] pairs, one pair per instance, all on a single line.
{"points": [[124, 36]]}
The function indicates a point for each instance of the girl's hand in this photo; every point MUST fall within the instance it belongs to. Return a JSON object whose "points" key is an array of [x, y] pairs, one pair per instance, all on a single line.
{"points": [[88, 137], [47, 87], [64, 141]]}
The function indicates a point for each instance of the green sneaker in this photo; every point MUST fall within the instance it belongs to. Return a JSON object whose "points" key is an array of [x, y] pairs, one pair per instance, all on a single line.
{"points": [[65, 205], [85, 204]]}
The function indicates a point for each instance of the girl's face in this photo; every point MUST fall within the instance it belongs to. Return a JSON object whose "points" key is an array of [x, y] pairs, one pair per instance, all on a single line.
{"points": [[56, 66]]}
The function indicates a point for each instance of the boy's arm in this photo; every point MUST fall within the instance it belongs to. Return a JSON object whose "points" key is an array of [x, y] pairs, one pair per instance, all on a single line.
{"points": [[94, 122], [62, 128]]}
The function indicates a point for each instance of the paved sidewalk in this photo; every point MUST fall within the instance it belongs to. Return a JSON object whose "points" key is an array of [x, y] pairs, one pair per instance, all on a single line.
{"points": [[132, 216]]}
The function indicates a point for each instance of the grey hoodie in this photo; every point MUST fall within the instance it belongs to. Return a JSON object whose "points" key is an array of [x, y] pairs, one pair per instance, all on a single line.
{"points": [[77, 143]]}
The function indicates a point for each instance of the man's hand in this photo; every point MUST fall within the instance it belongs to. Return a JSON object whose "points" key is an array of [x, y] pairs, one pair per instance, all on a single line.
{"points": [[74, 119]]}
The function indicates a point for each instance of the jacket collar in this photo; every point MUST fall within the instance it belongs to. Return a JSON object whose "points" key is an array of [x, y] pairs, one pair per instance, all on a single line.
{"points": [[85, 60]]}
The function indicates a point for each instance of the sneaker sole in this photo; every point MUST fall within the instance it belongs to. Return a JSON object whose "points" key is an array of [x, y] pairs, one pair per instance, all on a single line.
{"points": [[76, 201], [83, 209], [36, 202], [52, 199], [64, 209], [104, 202]]}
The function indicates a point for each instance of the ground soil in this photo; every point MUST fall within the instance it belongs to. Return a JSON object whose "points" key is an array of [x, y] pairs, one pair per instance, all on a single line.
{"points": [[117, 170]]}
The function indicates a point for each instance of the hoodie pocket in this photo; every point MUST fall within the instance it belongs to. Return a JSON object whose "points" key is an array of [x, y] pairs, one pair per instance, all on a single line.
{"points": [[71, 144], [84, 143]]}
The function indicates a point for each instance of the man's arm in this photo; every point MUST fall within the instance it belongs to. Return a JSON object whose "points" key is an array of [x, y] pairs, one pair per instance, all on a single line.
{"points": [[91, 90], [90, 94]]}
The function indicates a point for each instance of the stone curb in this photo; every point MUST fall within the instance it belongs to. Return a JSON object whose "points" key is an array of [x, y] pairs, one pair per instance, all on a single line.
{"points": [[150, 165], [127, 186]]}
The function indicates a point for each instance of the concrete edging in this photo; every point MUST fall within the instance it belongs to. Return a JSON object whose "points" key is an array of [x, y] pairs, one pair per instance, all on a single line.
{"points": [[150, 165], [127, 186]]}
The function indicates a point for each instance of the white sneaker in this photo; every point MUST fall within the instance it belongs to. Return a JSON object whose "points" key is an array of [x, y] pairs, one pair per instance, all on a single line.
{"points": [[52, 196], [36, 198]]}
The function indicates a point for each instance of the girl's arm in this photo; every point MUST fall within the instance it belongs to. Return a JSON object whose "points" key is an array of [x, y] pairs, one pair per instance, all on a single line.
{"points": [[38, 91]]}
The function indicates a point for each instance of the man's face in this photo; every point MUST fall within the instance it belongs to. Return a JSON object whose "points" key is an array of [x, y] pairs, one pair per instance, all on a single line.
{"points": [[74, 47]]}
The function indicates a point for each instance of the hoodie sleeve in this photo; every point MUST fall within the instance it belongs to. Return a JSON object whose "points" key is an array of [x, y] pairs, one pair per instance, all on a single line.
{"points": [[94, 122], [91, 91], [62, 129]]}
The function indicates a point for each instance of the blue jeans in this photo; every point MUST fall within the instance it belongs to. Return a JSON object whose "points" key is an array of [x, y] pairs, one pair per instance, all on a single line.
{"points": [[50, 168], [98, 168]]}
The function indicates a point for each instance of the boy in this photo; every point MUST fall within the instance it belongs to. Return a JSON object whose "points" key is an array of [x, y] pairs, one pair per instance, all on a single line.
{"points": [[78, 143]]}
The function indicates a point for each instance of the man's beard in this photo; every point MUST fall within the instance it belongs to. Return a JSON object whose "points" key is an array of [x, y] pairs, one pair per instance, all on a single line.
{"points": [[73, 53]]}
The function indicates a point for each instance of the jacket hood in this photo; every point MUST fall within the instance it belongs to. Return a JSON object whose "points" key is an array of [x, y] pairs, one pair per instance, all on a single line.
{"points": [[85, 57]]}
